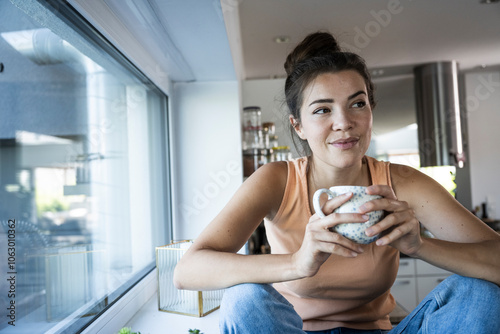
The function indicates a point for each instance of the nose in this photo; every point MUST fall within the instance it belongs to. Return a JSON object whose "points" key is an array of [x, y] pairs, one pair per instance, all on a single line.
{"points": [[342, 121]]}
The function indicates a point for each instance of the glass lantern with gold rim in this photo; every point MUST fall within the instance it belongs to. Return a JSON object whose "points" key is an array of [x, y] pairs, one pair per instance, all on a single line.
{"points": [[173, 300]]}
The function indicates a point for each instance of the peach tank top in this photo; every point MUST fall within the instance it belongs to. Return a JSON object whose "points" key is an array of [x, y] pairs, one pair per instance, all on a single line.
{"points": [[346, 292]]}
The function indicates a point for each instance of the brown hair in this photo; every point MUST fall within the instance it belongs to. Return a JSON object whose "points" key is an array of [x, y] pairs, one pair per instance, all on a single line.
{"points": [[317, 54]]}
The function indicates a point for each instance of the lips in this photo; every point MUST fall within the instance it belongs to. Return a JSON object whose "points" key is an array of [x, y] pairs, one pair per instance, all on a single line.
{"points": [[345, 143]]}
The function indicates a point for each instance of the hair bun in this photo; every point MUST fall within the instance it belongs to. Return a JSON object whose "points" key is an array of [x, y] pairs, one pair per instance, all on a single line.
{"points": [[314, 45]]}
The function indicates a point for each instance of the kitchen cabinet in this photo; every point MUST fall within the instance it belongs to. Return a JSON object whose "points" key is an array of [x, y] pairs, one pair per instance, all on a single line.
{"points": [[404, 291], [415, 280], [404, 288], [428, 277]]}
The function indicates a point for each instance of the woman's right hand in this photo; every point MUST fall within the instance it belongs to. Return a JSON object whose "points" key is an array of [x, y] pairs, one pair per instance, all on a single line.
{"points": [[320, 242]]}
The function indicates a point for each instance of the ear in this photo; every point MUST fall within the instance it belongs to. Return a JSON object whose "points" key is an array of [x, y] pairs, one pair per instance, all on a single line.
{"points": [[297, 127]]}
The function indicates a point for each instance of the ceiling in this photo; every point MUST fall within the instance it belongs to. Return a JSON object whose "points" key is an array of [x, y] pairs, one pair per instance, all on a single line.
{"points": [[386, 33], [391, 35]]}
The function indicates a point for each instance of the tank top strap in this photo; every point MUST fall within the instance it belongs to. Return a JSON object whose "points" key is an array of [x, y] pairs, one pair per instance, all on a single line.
{"points": [[379, 171]]}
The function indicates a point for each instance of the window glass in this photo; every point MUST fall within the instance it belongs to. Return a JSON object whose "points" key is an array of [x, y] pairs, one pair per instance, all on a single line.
{"points": [[84, 192]]}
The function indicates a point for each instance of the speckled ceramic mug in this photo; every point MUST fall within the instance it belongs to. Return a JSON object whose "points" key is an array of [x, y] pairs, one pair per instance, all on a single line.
{"points": [[352, 231]]}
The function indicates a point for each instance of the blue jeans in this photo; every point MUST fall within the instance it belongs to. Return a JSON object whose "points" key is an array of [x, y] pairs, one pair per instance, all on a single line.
{"points": [[457, 305]]}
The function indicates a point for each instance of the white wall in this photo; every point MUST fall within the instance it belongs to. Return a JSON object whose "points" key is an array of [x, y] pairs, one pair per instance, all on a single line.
{"points": [[482, 99], [207, 158]]}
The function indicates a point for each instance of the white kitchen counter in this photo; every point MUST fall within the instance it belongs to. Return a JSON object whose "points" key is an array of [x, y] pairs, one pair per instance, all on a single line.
{"points": [[151, 321]]}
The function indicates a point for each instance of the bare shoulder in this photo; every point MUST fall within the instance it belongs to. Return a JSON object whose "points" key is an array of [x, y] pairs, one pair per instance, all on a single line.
{"points": [[406, 179], [419, 189], [436, 208], [269, 181], [274, 174]]}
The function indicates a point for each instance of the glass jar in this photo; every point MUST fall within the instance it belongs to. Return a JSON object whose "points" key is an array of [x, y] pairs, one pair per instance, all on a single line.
{"points": [[253, 139], [252, 119]]}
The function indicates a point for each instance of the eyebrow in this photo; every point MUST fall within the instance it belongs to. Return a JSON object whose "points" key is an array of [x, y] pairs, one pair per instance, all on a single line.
{"points": [[331, 100]]}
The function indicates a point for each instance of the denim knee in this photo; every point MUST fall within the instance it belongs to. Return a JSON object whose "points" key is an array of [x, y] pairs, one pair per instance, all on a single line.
{"points": [[458, 305], [474, 289], [257, 308], [477, 300], [239, 297], [244, 297]]}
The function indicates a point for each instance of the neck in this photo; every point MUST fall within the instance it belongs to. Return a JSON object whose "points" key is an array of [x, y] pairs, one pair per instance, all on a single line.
{"points": [[321, 175]]}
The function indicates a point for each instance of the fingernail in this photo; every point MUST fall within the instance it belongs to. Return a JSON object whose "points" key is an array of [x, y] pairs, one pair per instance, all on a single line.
{"points": [[360, 250], [366, 217], [380, 242], [354, 254]]}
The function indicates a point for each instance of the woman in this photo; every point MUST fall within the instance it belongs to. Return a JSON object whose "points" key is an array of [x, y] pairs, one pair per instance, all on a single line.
{"points": [[321, 280]]}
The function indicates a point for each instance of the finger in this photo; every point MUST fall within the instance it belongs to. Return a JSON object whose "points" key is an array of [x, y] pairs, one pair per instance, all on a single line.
{"points": [[396, 233], [381, 190], [329, 237], [334, 219], [386, 204], [335, 202], [391, 220], [338, 249]]}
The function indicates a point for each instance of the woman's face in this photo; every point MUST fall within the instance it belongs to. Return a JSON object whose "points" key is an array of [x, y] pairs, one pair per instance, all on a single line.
{"points": [[336, 118]]}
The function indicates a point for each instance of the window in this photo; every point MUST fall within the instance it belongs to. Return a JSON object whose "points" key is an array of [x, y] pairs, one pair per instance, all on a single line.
{"points": [[84, 187]]}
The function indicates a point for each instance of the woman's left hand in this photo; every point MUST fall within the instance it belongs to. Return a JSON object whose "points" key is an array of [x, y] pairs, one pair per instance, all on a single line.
{"points": [[399, 228]]}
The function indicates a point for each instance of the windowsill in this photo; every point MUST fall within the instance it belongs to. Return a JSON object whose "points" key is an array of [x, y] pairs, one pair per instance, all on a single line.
{"points": [[149, 320]]}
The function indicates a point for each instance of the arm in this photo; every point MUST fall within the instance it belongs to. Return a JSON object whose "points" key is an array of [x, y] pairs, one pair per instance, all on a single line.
{"points": [[463, 244], [214, 252]]}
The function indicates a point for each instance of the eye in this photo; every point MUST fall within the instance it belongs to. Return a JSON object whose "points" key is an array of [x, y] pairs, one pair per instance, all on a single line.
{"points": [[359, 104], [321, 111]]}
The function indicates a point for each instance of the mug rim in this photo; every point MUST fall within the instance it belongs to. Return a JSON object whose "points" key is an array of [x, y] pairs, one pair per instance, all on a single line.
{"points": [[351, 188]]}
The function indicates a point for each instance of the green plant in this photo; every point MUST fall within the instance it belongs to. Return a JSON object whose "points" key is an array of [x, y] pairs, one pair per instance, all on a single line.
{"points": [[195, 331], [127, 330], [54, 206]]}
